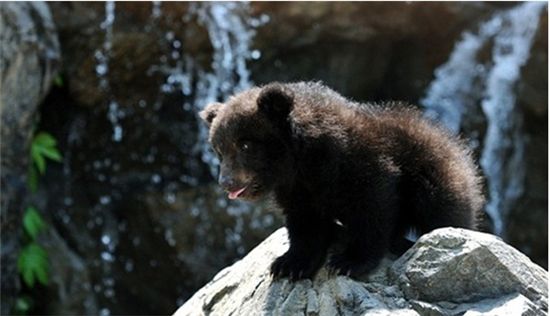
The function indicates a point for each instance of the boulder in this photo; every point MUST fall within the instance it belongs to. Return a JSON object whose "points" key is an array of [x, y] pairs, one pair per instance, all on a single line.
{"points": [[463, 266], [29, 59], [447, 272]]}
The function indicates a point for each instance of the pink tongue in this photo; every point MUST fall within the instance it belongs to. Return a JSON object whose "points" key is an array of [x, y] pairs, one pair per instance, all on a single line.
{"points": [[235, 194]]}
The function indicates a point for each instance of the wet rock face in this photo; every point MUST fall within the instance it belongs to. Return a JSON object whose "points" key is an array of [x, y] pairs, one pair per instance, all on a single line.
{"points": [[527, 227], [29, 59], [69, 291], [370, 51], [447, 272]]}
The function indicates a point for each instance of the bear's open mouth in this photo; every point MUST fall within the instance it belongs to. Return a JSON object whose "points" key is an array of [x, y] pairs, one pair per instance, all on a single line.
{"points": [[235, 194]]}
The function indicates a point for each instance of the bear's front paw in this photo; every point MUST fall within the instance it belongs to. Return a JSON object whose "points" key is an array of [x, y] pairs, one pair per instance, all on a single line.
{"points": [[341, 264], [292, 267]]}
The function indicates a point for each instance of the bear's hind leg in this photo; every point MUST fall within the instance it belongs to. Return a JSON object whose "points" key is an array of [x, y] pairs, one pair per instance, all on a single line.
{"points": [[439, 206]]}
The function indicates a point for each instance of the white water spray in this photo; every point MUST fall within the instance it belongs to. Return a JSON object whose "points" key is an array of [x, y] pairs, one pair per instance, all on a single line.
{"points": [[231, 35], [463, 81], [102, 68], [231, 30]]}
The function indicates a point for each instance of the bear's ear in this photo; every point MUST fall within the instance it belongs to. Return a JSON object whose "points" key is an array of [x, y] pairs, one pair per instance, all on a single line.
{"points": [[275, 101], [210, 112]]}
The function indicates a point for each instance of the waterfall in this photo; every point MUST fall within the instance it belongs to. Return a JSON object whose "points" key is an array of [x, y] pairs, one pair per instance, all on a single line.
{"points": [[102, 57], [510, 52], [464, 83], [230, 34], [109, 238], [231, 30]]}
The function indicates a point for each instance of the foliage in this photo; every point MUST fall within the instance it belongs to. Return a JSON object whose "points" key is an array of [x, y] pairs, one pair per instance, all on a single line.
{"points": [[44, 146], [32, 222], [58, 81], [23, 305], [32, 263]]}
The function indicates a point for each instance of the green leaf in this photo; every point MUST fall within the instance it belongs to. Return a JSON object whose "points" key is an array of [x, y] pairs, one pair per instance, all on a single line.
{"points": [[44, 146], [37, 158], [22, 305], [42, 274], [52, 153], [28, 277], [58, 81], [44, 140], [33, 179], [32, 222], [33, 264]]}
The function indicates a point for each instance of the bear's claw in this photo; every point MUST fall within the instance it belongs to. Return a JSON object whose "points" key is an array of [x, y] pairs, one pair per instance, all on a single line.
{"points": [[287, 266]]}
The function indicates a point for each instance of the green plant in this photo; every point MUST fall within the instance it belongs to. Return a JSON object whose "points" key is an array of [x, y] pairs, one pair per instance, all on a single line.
{"points": [[58, 81], [43, 147], [32, 222], [32, 263], [23, 305]]}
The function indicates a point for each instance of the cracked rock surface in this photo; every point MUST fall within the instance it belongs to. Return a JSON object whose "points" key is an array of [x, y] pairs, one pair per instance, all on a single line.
{"points": [[447, 272], [29, 60]]}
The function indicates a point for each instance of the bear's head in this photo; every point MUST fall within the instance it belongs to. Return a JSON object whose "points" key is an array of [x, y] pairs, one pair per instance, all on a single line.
{"points": [[251, 134]]}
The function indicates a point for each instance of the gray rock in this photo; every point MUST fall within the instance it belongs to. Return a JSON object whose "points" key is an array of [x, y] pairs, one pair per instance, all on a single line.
{"points": [[463, 266], [447, 272], [29, 56], [515, 304], [511, 305], [69, 290], [246, 288]]}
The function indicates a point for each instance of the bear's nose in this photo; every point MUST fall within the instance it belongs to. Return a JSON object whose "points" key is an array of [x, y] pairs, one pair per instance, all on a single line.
{"points": [[227, 182]]}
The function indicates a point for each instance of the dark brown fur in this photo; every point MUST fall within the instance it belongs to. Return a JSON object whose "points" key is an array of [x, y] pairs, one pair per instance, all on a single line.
{"points": [[379, 170]]}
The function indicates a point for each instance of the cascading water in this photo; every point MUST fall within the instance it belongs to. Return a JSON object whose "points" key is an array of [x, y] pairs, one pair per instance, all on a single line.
{"points": [[510, 53], [230, 29], [109, 236], [231, 32], [103, 55], [463, 83], [102, 68]]}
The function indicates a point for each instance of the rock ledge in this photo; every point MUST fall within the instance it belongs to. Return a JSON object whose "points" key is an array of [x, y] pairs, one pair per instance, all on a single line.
{"points": [[447, 272]]}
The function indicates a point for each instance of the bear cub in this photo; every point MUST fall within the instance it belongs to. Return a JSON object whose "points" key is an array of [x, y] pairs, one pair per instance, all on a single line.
{"points": [[365, 173]]}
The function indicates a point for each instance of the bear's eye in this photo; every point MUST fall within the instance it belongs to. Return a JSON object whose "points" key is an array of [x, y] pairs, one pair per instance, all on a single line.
{"points": [[245, 146]]}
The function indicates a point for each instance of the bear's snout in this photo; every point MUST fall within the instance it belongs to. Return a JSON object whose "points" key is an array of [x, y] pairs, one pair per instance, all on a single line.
{"points": [[227, 182]]}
